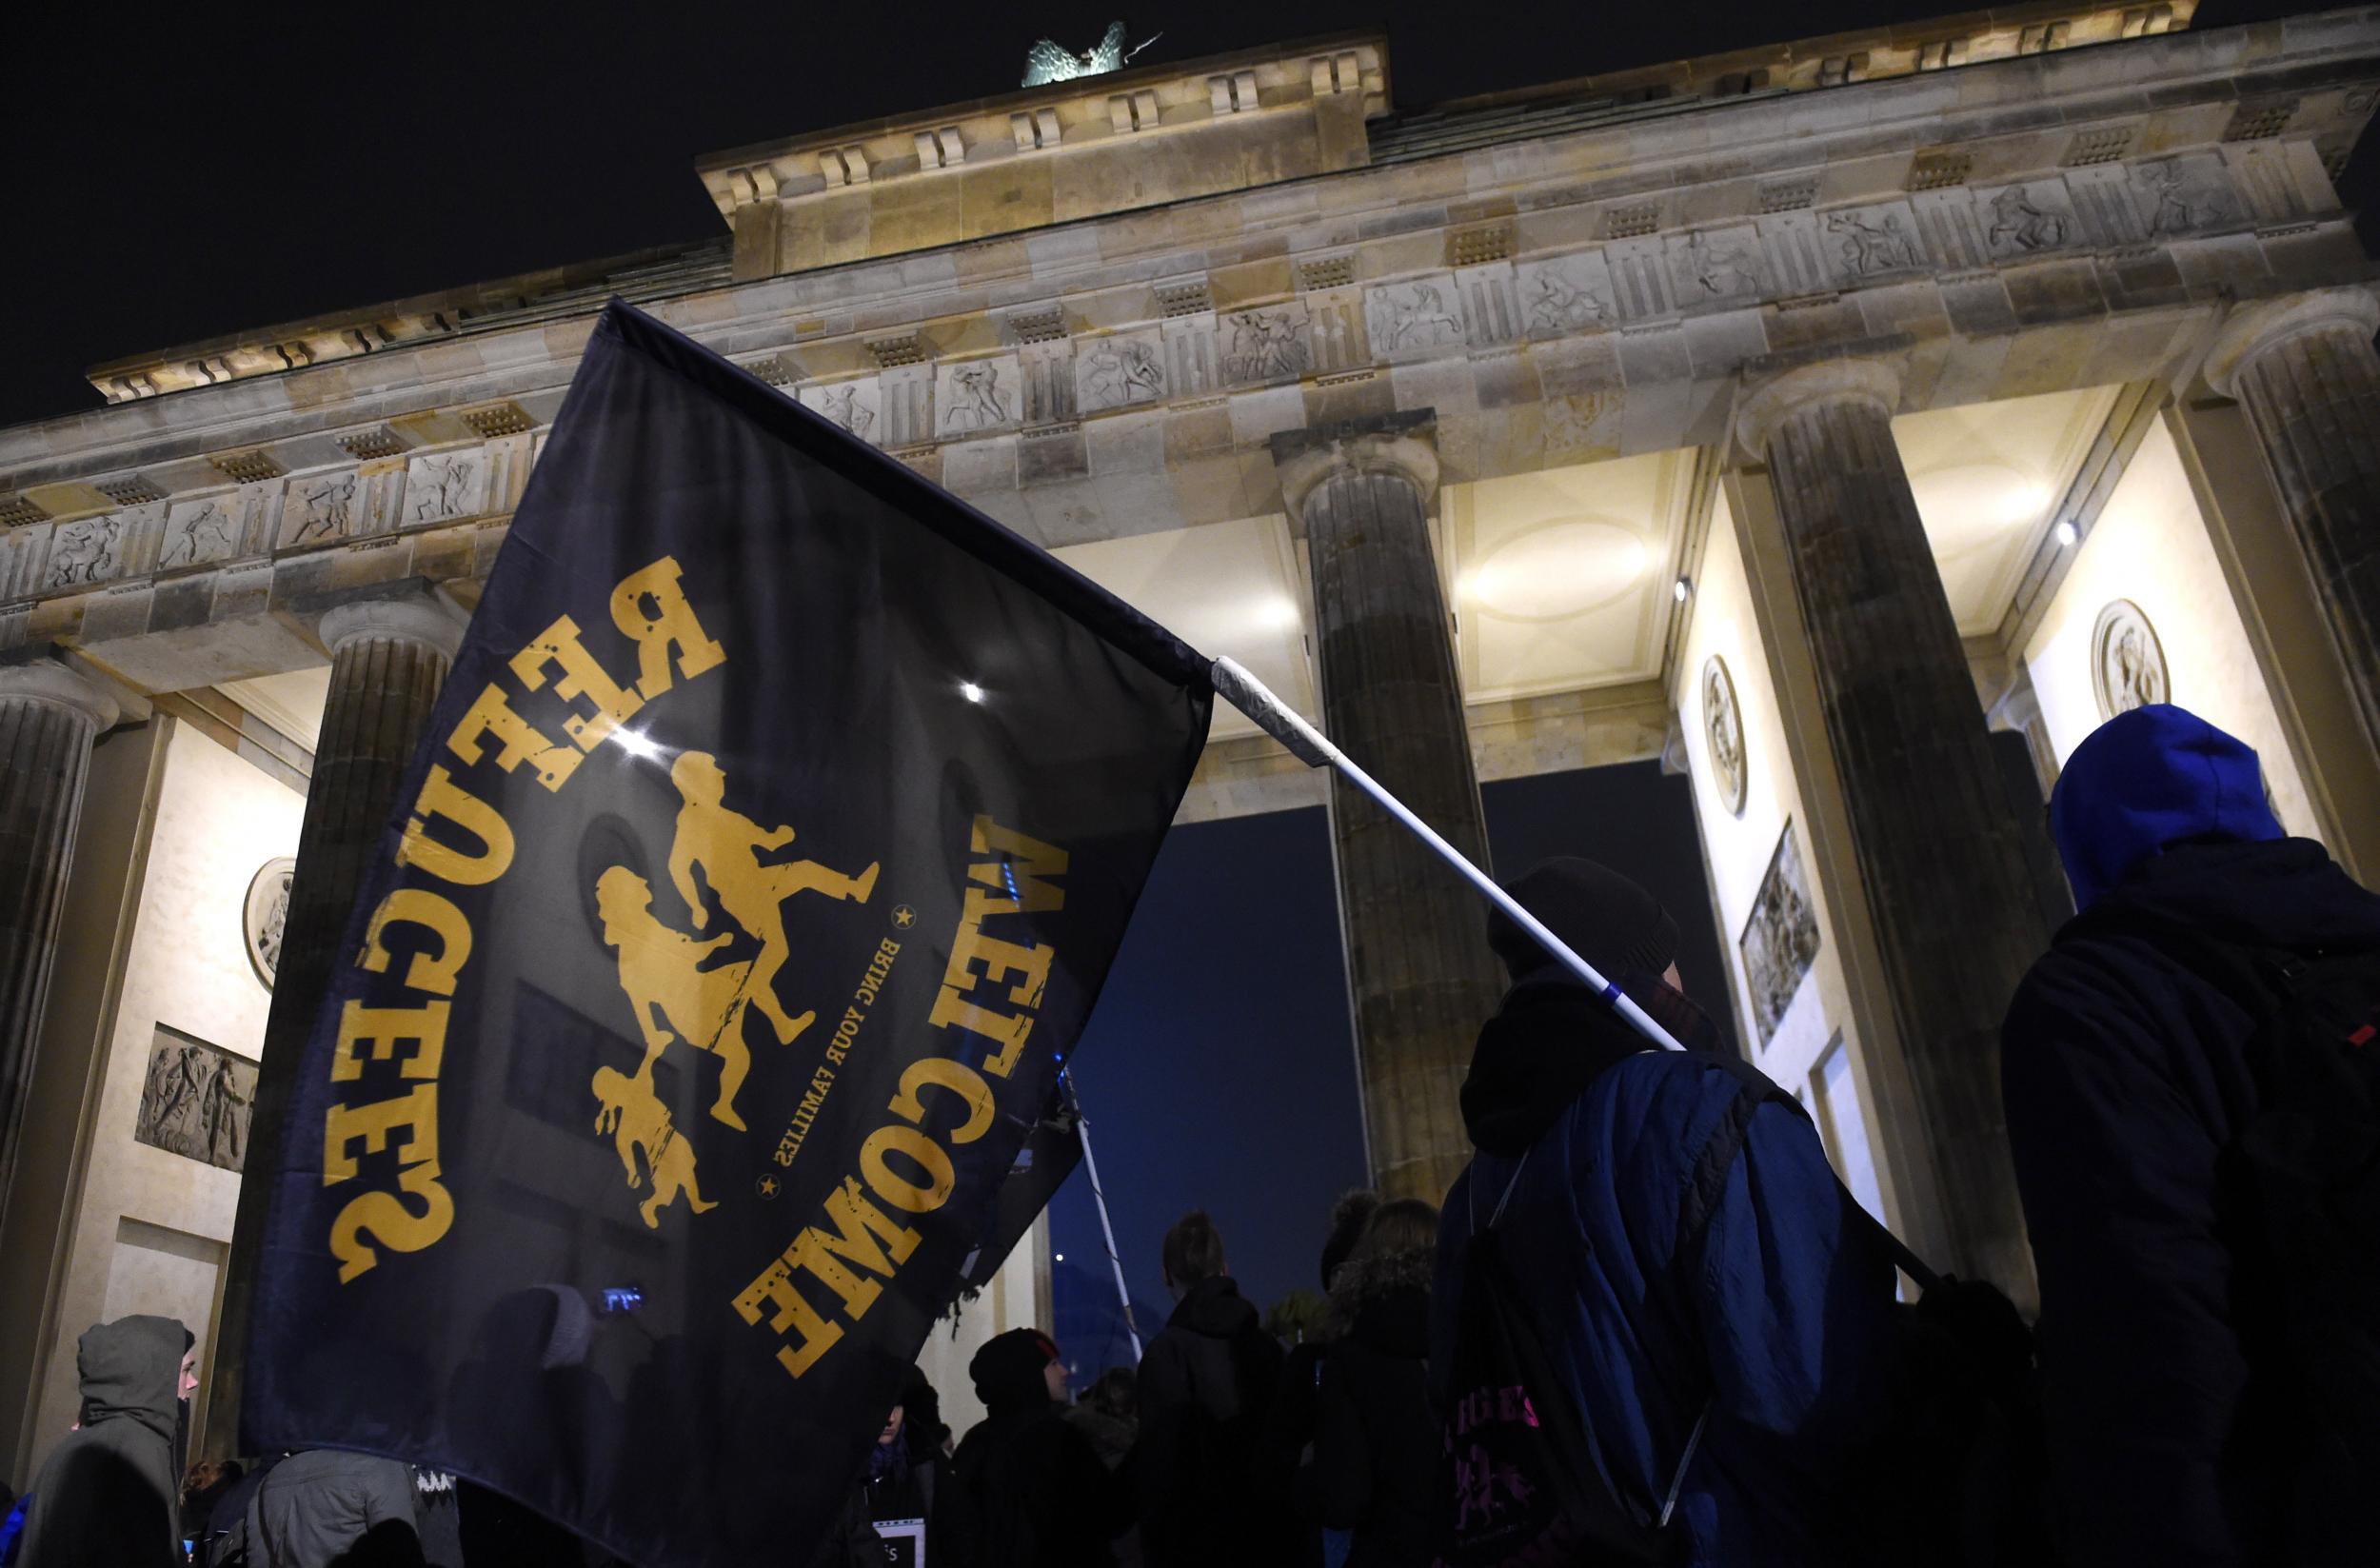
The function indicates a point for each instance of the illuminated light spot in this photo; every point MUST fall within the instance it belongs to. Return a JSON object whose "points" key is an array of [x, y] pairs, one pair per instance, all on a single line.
{"points": [[636, 745], [1681, 589], [972, 692], [2065, 535]]}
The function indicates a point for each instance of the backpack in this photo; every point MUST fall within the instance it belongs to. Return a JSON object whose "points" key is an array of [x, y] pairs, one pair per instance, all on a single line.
{"points": [[2309, 1163], [1522, 1482]]}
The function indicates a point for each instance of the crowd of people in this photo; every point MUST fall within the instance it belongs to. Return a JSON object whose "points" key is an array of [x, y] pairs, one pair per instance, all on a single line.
{"points": [[1650, 1324]]}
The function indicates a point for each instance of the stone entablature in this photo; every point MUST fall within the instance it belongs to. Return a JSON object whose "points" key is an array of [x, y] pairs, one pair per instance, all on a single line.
{"points": [[752, 182]]}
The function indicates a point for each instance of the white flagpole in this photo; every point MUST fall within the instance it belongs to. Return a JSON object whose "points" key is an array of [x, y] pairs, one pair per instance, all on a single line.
{"points": [[1098, 1199], [1308, 744]]}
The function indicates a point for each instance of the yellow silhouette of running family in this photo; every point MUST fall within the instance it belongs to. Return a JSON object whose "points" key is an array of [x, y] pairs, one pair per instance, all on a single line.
{"points": [[662, 970]]}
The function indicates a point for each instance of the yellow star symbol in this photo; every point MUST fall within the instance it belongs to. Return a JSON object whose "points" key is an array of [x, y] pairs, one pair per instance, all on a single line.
{"points": [[767, 1186], [904, 917]]}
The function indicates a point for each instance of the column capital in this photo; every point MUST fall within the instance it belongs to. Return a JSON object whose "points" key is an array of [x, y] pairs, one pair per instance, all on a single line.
{"points": [[430, 618], [47, 681], [2252, 329], [1763, 405], [1404, 444]]}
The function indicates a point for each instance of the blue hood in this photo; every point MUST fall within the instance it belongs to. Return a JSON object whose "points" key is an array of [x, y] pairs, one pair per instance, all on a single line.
{"points": [[2145, 781]]}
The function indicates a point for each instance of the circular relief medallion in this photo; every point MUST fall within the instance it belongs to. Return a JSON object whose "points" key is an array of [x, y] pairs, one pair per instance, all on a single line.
{"points": [[2127, 661], [1723, 725], [268, 912]]}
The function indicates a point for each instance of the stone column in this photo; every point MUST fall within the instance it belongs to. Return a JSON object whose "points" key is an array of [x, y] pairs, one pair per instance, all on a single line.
{"points": [[49, 716], [1939, 856], [1417, 960], [388, 657], [2304, 367]]}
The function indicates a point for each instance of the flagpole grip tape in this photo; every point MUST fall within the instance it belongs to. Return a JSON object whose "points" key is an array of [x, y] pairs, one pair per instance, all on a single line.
{"points": [[1276, 718]]}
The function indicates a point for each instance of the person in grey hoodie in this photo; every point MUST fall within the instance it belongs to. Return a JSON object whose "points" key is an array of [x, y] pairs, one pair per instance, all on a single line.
{"points": [[110, 1492]]}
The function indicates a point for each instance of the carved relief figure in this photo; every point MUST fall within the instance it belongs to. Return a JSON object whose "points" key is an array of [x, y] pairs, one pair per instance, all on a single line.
{"points": [[442, 487], [1723, 726], [1264, 345], [325, 508], [2127, 667], [2183, 203], [1582, 421], [841, 405], [980, 402], [1120, 370], [1413, 315], [1780, 939], [203, 535], [265, 916], [84, 551], [1723, 267], [196, 1100], [1556, 305], [1878, 246], [2016, 221]]}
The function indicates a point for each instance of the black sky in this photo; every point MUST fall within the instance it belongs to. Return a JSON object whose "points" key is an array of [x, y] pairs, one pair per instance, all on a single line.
{"points": [[179, 172]]}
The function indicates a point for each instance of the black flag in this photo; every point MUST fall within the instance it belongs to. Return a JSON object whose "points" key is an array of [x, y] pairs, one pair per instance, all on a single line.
{"points": [[767, 847]]}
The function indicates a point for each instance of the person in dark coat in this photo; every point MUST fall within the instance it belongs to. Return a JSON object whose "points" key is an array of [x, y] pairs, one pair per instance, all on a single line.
{"points": [[1289, 1428], [1595, 1138], [2173, 1435], [327, 1508], [1377, 1442], [110, 1492], [1025, 1486], [1207, 1383]]}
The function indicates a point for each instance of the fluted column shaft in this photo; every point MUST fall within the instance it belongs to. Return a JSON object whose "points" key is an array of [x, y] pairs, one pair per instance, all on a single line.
{"points": [[1938, 854], [49, 718], [387, 660], [2304, 369], [1418, 961]]}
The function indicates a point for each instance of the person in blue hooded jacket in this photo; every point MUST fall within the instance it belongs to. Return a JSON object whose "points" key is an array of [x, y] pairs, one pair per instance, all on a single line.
{"points": [[1785, 1331], [2125, 1075]]}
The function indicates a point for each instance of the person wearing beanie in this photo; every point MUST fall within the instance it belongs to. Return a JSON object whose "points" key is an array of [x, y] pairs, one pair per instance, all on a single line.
{"points": [[2131, 1064], [1739, 1357], [1026, 1486]]}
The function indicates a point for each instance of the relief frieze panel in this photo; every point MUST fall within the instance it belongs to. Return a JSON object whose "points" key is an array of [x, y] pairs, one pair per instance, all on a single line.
{"points": [[1716, 265], [855, 406], [203, 531], [1416, 317], [978, 395], [340, 503], [443, 486], [1879, 241], [1268, 342], [2185, 194], [2030, 218], [1120, 370], [1561, 295]]}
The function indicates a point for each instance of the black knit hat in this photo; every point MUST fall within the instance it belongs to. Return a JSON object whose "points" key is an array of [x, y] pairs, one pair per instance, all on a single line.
{"points": [[1606, 918]]}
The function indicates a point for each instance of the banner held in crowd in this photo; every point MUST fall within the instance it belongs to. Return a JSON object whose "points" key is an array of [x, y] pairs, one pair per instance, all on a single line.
{"points": [[773, 836]]}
